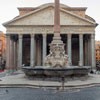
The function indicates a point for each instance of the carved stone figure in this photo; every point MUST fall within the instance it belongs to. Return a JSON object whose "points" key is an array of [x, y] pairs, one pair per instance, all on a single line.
{"points": [[57, 57]]}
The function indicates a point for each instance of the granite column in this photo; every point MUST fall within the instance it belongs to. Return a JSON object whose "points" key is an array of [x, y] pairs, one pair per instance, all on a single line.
{"points": [[93, 62], [20, 40], [44, 48], [69, 48], [32, 51], [81, 49]]}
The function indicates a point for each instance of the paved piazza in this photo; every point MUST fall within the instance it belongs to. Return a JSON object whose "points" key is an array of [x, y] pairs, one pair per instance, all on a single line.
{"points": [[92, 93]]}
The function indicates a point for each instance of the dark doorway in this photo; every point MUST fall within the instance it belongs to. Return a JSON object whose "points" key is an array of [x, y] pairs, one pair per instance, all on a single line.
{"points": [[75, 49], [26, 50]]}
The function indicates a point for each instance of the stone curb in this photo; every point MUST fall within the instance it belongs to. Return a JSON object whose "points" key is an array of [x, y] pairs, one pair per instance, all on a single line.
{"points": [[49, 87]]}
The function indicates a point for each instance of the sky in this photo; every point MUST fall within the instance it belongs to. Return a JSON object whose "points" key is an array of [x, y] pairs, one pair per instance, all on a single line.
{"points": [[8, 9]]}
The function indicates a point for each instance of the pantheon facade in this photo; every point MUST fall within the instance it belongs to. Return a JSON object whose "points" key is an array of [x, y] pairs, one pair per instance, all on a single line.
{"points": [[30, 33]]}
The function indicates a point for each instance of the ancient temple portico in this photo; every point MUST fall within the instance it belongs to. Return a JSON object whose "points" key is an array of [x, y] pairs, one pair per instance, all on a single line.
{"points": [[29, 35]]}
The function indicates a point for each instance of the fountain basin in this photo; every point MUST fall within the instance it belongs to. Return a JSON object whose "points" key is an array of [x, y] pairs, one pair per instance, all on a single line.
{"points": [[56, 72]]}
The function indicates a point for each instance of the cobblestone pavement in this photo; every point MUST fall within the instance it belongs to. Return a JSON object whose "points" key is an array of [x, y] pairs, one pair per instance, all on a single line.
{"points": [[92, 93]]}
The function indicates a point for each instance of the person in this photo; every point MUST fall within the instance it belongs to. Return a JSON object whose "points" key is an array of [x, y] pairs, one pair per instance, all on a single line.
{"points": [[3, 62]]}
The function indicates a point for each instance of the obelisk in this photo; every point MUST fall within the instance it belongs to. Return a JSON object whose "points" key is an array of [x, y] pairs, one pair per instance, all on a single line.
{"points": [[57, 57], [57, 18], [57, 37]]}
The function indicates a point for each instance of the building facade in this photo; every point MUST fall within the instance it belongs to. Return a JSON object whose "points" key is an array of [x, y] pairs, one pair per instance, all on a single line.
{"points": [[97, 47], [2, 45], [2, 50], [30, 33]]}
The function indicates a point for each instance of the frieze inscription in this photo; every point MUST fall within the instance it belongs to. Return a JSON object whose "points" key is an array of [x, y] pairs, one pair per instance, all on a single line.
{"points": [[49, 29]]}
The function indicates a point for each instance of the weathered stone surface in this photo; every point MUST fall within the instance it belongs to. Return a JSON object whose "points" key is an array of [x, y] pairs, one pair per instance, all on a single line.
{"points": [[56, 72], [49, 29], [47, 15], [57, 56], [42, 20]]}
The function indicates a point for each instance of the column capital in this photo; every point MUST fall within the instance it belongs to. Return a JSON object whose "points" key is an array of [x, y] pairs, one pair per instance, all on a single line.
{"points": [[20, 36], [92, 36], [81, 36], [44, 35], [32, 35], [7, 35], [69, 36]]}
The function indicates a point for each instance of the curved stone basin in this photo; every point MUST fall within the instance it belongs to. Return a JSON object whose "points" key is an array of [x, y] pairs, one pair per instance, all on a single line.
{"points": [[55, 72]]}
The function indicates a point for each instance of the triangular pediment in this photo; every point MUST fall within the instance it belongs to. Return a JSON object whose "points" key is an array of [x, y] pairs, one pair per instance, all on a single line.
{"points": [[45, 16]]}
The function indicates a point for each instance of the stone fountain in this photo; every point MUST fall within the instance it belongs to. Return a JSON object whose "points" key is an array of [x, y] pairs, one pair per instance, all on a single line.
{"points": [[57, 63]]}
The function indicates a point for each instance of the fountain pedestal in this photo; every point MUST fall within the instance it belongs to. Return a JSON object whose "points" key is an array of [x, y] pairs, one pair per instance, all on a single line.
{"points": [[57, 57]]}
